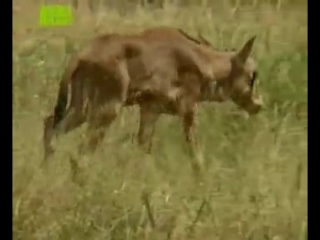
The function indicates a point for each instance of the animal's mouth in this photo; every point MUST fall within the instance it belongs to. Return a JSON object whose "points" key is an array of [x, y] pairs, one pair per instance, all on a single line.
{"points": [[250, 104], [256, 106], [255, 109]]}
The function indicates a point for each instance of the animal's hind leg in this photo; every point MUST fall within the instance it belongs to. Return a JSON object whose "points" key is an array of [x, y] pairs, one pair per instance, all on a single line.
{"points": [[106, 104], [48, 133], [72, 120], [98, 122]]}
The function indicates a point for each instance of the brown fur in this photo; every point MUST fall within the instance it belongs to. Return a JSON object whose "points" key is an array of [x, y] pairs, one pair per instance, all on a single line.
{"points": [[163, 70]]}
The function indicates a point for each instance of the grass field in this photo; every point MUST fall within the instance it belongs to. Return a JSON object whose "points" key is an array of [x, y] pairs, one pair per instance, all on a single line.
{"points": [[254, 184]]}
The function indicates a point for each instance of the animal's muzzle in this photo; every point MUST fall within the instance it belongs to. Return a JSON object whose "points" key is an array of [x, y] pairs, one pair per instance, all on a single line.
{"points": [[256, 106]]}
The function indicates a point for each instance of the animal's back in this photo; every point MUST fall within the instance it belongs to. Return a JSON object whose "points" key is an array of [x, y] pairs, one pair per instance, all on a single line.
{"points": [[169, 34], [153, 63]]}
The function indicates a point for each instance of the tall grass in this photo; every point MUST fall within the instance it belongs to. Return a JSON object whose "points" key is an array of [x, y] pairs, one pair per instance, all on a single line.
{"points": [[254, 185]]}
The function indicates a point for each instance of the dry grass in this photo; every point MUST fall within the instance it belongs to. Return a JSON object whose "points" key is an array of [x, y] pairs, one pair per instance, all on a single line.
{"points": [[255, 180]]}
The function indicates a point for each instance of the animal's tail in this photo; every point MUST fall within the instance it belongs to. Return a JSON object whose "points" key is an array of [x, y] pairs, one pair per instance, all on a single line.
{"points": [[62, 100]]}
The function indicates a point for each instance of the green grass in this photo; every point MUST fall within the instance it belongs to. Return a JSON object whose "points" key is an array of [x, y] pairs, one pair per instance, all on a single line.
{"points": [[255, 179]]}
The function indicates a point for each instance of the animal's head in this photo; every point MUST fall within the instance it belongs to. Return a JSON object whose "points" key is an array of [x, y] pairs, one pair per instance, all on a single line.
{"points": [[236, 74]]}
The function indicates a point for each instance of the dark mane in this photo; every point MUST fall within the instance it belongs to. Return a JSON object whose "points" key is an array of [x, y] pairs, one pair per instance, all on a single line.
{"points": [[189, 37], [186, 35]]}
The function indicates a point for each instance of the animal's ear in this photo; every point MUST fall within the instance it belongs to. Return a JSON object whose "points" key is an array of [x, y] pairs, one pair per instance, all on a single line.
{"points": [[203, 40], [244, 53]]}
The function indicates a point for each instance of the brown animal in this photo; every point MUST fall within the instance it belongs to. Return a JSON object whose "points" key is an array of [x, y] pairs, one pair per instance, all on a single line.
{"points": [[163, 70], [234, 77]]}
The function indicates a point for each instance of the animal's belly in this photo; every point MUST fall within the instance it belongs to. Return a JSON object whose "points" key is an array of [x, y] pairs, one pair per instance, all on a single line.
{"points": [[156, 103]]}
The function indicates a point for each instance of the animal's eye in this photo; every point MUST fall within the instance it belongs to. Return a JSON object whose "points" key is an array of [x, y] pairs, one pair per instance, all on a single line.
{"points": [[253, 78], [254, 75]]}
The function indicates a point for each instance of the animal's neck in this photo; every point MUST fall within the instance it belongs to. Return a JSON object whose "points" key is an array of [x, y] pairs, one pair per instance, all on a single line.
{"points": [[213, 92]]}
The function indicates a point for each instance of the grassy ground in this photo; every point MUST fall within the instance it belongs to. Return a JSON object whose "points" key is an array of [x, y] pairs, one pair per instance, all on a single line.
{"points": [[255, 184]]}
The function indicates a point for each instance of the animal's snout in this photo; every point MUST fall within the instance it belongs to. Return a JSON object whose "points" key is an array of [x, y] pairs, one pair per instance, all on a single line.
{"points": [[256, 106]]}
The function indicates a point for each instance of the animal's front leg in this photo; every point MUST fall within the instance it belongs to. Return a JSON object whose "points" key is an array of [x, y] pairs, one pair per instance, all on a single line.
{"points": [[148, 119], [189, 126], [187, 111], [188, 114]]}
